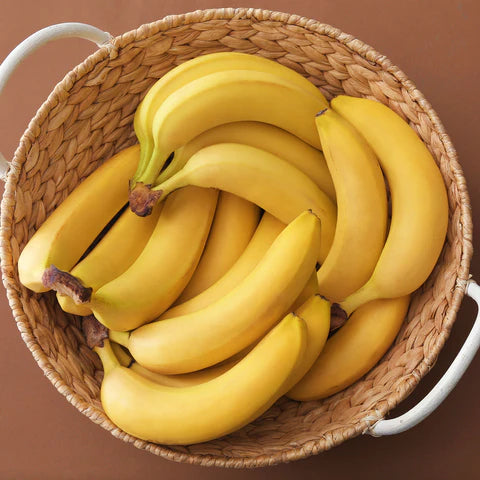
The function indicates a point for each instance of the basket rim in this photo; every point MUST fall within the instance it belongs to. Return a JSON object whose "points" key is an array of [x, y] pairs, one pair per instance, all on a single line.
{"points": [[61, 90]]}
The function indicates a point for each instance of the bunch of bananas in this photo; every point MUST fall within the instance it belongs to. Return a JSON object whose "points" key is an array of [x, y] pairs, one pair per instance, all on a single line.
{"points": [[258, 214]]}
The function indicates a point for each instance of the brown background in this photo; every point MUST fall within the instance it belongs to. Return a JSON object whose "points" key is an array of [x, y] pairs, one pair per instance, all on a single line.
{"points": [[436, 43]]}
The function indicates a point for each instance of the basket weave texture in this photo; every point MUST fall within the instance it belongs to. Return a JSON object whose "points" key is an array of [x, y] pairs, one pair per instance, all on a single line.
{"points": [[89, 117]]}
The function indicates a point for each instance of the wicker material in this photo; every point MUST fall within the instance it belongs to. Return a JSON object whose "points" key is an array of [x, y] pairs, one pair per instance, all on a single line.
{"points": [[88, 118]]}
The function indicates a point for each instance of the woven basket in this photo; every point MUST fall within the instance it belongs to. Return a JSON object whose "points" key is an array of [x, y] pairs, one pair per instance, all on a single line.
{"points": [[89, 117]]}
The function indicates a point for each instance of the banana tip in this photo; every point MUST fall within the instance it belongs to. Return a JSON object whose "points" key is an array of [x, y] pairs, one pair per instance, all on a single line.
{"points": [[338, 317], [95, 333]]}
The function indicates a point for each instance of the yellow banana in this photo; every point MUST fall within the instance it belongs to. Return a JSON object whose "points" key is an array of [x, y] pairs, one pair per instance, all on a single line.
{"points": [[224, 97], [67, 233], [354, 349], [196, 68], [309, 306], [267, 231], [191, 378], [165, 265], [419, 201], [315, 311], [233, 225], [260, 135], [200, 339], [361, 208], [198, 413], [115, 252], [310, 289], [260, 177], [123, 357]]}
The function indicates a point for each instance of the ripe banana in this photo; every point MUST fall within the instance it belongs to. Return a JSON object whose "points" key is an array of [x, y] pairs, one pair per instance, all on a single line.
{"points": [[224, 97], [260, 135], [260, 177], [419, 201], [115, 252], [267, 231], [315, 311], [164, 267], [200, 339], [233, 225], [198, 413], [196, 68], [354, 349], [361, 208], [122, 355], [65, 235], [310, 289]]}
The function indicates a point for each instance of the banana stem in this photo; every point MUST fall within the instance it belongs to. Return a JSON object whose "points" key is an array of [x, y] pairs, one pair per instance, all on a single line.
{"points": [[107, 356], [95, 333], [66, 284], [142, 199]]}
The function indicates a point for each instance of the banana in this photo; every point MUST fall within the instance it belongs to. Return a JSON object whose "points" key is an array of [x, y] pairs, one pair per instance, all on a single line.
{"points": [[196, 68], [354, 349], [260, 177], [115, 252], [198, 413], [164, 267], [309, 306], [191, 378], [123, 357], [310, 289], [260, 135], [361, 206], [267, 231], [419, 201], [67, 233], [315, 311], [236, 95], [200, 339], [233, 225]]}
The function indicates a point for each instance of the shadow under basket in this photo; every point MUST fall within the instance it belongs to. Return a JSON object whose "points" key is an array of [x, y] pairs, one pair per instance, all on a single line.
{"points": [[89, 117]]}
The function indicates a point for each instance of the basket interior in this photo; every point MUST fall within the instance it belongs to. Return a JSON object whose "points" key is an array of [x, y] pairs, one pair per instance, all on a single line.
{"points": [[89, 117]]}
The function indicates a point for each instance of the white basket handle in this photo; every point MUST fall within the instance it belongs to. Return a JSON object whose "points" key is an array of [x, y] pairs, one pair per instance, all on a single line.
{"points": [[33, 42], [444, 386]]}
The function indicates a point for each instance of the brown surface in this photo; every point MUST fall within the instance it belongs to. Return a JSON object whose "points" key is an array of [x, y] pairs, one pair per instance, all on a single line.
{"points": [[44, 437]]}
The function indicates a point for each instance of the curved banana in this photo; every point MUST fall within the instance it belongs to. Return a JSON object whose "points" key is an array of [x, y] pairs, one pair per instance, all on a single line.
{"points": [[191, 378], [267, 231], [233, 225], [260, 177], [354, 349], [224, 97], [121, 353], [419, 201], [315, 312], [203, 338], [115, 252], [310, 289], [264, 136], [198, 413], [67, 233], [361, 208], [196, 68], [164, 267]]}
